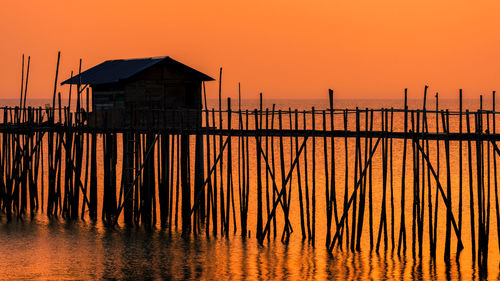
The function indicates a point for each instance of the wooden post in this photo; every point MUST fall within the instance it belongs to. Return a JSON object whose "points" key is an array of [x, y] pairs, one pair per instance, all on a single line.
{"points": [[436, 204], [460, 169], [313, 193], [209, 183], [259, 178], [214, 204], [446, 128], [471, 190], [128, 176], [229, 176], [185, 184], [299, 181], [495, 173], [346, 186], [199, 175], [327, 190], [383, 212], [55, 86], [282, 169], [402, 228]]}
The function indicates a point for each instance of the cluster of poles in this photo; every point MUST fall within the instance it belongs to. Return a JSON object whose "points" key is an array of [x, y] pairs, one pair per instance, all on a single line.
{"points": [[261, 163]]}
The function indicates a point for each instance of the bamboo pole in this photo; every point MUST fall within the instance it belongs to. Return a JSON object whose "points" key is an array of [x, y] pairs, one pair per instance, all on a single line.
{"points": [[221, 169], [282, 169], [240, 177], [333, 193], [268, 197], [349, 202], [497, 206], [259, 179], [383, 213], [446, 128], [460, 163], [327, 190], [346, 184], [313, 193], [402, 228], [306, 181], [214, 203], [356, 163], [229, 188], [471, 191], [436, 204], [299, 183]]}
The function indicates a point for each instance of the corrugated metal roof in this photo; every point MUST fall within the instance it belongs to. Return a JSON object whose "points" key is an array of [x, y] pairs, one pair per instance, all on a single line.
{"points": [[113, 71]]}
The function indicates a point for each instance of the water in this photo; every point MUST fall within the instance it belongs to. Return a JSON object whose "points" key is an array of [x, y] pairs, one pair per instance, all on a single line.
{"points": [[58, 250], [55, 249]]}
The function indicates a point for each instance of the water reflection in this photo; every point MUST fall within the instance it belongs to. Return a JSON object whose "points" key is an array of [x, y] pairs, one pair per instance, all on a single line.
{"points": [[56, 250]]}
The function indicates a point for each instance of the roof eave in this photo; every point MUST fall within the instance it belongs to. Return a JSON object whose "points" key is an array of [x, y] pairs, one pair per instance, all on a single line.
{"points": [[76, 79], [207, 78]]}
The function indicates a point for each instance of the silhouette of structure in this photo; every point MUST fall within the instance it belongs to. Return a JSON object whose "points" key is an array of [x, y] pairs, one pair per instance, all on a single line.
{"points": [[242, 152], [129, 92]]}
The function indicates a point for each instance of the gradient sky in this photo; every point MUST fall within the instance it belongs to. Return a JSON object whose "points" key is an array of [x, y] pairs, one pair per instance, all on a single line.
{"points": [[285, 49]]}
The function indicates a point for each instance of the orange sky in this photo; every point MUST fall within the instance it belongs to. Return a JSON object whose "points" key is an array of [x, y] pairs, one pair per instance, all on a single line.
{"points": [[283, 48]]}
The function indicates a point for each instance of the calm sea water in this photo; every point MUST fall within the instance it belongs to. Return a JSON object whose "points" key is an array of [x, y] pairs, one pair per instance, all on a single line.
{"points": [[55, 249]]}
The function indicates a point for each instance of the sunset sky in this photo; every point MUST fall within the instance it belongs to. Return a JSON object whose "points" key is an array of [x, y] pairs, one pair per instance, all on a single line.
{"points": [[285, 49]]}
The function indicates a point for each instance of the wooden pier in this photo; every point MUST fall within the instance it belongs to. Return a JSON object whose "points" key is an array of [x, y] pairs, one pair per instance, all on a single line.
{"points": [[53, 160]]}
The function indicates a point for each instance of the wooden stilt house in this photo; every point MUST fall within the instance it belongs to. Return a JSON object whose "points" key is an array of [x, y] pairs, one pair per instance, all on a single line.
{"points": [[154, 92]]}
